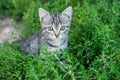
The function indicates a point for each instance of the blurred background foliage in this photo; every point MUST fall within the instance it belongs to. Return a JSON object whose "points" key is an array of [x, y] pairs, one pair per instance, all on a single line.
{"points": [[94, 41]]}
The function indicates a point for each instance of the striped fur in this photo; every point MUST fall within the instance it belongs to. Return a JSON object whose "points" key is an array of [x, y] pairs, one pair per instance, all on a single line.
{"points": [[53, 33]]}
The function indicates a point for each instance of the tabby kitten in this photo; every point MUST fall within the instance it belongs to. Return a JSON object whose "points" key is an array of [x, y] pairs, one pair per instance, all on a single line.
{"points": [[53, 33]]}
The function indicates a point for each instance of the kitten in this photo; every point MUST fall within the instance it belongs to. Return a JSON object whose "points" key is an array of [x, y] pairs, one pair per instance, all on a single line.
{"points": [[53, 33]]}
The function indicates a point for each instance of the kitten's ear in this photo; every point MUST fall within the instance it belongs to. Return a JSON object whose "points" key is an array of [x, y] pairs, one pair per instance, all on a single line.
{"points": [[43, 14], [68, 12]]}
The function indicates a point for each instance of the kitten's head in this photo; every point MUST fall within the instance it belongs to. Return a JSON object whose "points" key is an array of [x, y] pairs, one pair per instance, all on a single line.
{"points": [[57, 24]]}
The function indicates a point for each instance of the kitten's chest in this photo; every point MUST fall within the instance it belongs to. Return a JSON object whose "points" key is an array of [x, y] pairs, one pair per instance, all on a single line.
{"points": [[57, 44]]}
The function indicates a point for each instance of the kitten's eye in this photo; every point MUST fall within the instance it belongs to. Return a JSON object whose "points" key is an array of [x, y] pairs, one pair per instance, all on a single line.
{"points": [[50, 28], [62, 28]]}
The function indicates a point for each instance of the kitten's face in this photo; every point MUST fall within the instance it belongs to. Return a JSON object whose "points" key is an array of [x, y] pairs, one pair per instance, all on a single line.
{"points": [[56, 25]]}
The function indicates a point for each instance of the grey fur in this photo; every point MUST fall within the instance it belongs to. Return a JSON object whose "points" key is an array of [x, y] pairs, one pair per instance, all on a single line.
{"points": [[53, 33]]}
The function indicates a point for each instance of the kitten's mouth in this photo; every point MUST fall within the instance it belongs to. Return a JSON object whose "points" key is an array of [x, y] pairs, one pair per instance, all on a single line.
{"points": [[52, 45]]}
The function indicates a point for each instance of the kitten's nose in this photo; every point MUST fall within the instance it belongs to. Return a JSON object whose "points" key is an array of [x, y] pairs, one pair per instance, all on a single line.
{"points": [[57, 33]]}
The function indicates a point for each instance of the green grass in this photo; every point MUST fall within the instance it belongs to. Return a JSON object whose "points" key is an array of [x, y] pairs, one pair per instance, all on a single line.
{"points": [[94, 42]]}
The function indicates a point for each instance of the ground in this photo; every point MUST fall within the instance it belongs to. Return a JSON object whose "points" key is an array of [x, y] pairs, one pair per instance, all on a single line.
{"points": [[9, 29]]}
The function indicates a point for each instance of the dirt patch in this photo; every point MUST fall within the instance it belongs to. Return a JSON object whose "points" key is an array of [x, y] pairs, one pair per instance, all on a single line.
{"points": [[9, 30]]}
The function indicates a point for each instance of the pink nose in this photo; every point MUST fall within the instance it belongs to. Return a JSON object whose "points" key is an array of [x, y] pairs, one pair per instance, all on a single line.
{"points": [[57, 33]]}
